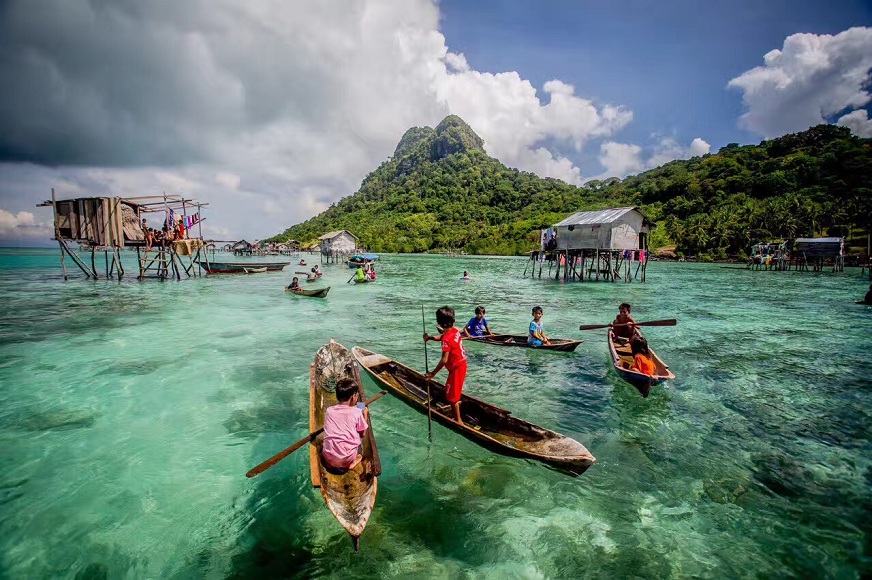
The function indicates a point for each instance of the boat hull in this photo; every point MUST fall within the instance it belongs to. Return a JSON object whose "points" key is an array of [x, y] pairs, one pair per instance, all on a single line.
{"points": [[622, 360], [520, 340], [484, 424], [239, 267], [319, 293], [350, 494]]}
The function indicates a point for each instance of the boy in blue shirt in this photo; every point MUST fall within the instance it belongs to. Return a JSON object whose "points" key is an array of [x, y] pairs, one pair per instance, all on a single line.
{"points": [[536, 336], [477, 325]]}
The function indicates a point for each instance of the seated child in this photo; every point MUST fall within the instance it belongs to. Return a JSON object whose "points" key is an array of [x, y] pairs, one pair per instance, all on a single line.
{"points": [[536, 336], [642, 360], [344, 427], [624, 326], [295, 285], [477, 325]]}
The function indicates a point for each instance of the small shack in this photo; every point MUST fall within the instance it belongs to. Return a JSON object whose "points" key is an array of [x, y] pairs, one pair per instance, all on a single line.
{"points": [[241, 248], [337, 246], [111, 224], [592, 244], [813, 254]]}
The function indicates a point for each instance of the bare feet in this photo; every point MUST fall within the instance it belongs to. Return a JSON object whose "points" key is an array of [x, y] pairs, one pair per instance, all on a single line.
{"points": [[356, 462]]}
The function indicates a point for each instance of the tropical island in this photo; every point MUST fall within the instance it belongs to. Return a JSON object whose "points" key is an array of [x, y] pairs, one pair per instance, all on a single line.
{"points": [[440, 191]]}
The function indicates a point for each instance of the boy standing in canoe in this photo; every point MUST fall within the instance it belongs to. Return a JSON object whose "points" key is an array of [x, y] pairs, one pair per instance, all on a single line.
{"points": [[453, 358]]}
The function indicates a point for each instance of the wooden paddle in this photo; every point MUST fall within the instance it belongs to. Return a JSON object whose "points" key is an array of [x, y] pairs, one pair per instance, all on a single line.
{"points": [[667, 322], [307, 439], [427, 370]]}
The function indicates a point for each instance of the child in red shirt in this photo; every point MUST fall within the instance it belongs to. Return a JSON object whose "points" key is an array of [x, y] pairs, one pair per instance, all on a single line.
{"points": [[453, 358]]}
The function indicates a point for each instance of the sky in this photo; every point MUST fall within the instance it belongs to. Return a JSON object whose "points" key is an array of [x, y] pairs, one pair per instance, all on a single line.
{"points": [[271, 110]]}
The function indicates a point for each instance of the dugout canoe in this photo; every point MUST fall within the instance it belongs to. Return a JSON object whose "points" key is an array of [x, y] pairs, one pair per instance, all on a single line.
{"points": [[319, 293], [364, 281], [483, 423], [622, 360], [558, 344], [239, 267], [349, 494]]}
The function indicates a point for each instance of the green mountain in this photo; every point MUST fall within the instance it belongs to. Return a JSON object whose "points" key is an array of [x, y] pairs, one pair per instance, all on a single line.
{"points": [[440, 190]]}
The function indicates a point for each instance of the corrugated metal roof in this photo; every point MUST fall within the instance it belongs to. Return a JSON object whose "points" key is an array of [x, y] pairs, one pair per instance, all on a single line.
{"points": [[817, 240], [603, 216], [331, 235]]}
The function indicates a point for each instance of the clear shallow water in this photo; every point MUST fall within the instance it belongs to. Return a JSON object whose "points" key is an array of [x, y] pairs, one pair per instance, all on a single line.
{"points": [[129, 414]]}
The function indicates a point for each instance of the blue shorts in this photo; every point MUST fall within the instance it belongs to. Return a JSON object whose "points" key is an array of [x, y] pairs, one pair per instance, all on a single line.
{"points": [[534, 342]]}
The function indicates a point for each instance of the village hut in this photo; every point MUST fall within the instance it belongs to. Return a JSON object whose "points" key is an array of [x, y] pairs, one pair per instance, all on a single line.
{"points": [[591, 244], [337, 246], [242, 247], [110, 224], [815, 253]]}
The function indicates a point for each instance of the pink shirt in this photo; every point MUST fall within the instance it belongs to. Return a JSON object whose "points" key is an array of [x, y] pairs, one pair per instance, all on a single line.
{"points": [[342, 428]]}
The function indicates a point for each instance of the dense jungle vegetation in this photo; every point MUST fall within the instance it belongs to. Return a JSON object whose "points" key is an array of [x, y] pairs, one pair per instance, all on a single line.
{"points": [[441, 191]]}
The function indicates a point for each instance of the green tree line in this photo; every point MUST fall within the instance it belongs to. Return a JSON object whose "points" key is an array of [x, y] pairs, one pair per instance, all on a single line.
{"points": [[441, 191]]}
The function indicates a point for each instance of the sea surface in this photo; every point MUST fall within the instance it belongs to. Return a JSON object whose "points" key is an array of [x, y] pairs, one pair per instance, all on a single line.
{"points": [[130, 412]]}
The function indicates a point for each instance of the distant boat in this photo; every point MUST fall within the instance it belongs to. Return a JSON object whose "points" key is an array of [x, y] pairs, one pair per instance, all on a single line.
{"points": [[319, 293], [239, 267], [361, 259]]}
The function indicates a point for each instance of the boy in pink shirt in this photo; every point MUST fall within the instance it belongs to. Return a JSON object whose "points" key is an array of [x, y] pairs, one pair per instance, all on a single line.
{"points": [[344, 426]]}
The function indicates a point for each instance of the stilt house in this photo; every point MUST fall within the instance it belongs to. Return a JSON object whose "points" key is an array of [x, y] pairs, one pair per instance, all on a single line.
{"points": [[593, 244], [111, 224], [337, 246]]}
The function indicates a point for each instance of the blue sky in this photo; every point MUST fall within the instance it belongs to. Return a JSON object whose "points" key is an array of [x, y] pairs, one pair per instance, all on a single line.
{"points": [[272, 110], [667, 61]]}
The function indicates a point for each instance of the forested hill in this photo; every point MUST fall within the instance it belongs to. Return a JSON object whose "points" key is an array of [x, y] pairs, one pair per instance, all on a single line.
{"points": [[441, 191]]}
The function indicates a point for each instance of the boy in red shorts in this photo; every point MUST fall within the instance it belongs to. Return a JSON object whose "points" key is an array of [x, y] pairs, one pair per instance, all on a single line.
{"points": [[453, 358]]}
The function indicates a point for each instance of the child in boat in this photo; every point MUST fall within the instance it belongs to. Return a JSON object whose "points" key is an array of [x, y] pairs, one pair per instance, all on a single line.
{"points": [[642, 360], [344, 426], [295, 285], [453, 358], [624, 326], [477, 325], [536, 336], [360, 274]]}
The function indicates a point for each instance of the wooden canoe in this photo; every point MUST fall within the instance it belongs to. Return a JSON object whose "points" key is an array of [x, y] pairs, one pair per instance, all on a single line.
{"points": [[622, 360], [364, 281], [255, 270], [483, 423], [239, 267], [319, 293], [350, 494], [558, 344]]}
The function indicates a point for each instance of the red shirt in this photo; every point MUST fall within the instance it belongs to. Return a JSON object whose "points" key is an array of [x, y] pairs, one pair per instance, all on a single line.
{"points": [[453, 345]]}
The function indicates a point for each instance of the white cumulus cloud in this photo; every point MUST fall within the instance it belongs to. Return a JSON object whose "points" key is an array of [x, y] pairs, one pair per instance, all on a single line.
{"points": [[858, 122], [268, 110], [810, 79], [622, 159], [22, 225]]}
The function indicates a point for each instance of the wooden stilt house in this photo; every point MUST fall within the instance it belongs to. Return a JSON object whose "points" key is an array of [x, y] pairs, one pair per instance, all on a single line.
{"points": [[111, 224], [609, 244]]}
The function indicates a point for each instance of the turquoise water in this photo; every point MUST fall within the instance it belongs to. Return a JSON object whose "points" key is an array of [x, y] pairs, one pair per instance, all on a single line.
{"points": [[130, 412]]}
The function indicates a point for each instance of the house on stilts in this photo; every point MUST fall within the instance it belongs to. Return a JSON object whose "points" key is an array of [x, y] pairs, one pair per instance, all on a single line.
{"points": [[338, 246], [608, 244], [109, 225]]}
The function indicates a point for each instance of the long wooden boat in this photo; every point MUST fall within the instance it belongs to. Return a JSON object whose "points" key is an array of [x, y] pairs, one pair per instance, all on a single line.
{"points": [[483, 423], [350, 494], [364, 281], [239, 267], [319, 293], [622, 360], [558, 344], [313, 279]]}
